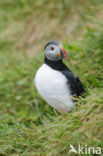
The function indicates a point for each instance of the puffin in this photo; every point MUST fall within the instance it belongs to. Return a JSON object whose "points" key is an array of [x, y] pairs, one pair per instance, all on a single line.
{"points": [[55, 82]]}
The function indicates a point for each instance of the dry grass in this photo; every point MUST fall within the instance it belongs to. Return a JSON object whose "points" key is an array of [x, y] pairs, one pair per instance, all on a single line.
{"points": [[31, 24]]}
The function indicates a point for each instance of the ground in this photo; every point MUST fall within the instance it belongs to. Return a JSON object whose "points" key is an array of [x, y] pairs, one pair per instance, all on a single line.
{"points": [[28, 125]]}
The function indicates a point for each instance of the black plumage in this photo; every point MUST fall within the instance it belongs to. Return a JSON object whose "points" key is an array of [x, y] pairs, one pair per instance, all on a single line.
{"points": [[74, 83]]}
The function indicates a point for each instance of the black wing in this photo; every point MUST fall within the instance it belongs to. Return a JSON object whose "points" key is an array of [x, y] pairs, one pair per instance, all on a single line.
{"points": [[75, 84]]}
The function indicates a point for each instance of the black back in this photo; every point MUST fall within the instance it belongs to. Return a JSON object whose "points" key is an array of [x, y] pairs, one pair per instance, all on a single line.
{"points": [[75, 84]]}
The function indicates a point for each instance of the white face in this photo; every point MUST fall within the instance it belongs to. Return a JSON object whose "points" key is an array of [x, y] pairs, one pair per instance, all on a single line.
{"points": [[53, 52]]}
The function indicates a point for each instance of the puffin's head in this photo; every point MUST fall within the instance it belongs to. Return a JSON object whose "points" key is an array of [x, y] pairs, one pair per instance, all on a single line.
{"points": [[54, 51]]}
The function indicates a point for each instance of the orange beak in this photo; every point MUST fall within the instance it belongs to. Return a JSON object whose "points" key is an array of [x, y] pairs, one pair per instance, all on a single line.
{"points": [[66, 56]]}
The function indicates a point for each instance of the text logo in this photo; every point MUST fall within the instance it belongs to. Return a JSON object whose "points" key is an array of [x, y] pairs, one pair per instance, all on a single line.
{"points": [[85, 150]]}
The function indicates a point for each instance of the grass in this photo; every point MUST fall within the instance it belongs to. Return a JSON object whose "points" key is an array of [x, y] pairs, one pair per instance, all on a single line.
{"points": [[21, 22], [28, 125]]}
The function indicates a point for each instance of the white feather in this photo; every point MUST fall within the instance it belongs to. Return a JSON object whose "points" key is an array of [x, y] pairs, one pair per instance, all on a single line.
{"points": [[52, 86]]}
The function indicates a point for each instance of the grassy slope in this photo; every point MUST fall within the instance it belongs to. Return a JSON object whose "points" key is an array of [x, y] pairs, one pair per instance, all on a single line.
{"points": [[29, 126]]}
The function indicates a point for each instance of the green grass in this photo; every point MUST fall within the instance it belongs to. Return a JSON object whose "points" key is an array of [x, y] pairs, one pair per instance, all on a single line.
{"points": [[28, 125]]}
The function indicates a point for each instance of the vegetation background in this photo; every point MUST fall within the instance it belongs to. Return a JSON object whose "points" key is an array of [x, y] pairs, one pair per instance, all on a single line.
{"points": [[28, 125]]}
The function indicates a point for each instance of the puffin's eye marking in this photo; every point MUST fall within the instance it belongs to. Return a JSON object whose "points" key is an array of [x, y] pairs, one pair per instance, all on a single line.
{"points": [[52, 48]]}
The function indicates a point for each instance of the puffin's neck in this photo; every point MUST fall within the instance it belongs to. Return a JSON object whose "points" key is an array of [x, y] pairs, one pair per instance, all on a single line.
{"points": [[56, 65]]}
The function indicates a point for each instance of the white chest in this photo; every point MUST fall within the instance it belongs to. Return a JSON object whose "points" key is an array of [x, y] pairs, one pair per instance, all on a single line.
{"points": [[52, 86]]}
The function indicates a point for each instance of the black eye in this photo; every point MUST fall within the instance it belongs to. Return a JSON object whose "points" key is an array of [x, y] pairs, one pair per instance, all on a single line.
{"points": [[52, 48]]}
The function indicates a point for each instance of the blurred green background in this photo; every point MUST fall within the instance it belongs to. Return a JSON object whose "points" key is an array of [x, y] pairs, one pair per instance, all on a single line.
{"points": [[28, 125]]}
